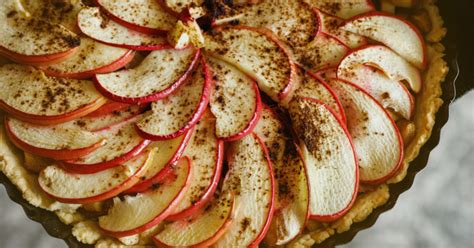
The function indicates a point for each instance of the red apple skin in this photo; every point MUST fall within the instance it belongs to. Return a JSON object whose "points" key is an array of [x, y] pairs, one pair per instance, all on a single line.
{"points": [[334, 95], [401, 146], [320, 27], [332, 217], [37, 60], [143, 186], [158, 218], [121, 62], [54, 154], [253, 122], [54, 119], [290, 87], [196, 207], [71, 167], [132, 26], [152, 98], [107, 195], [206, 92], [415, 29], [207, 243]]}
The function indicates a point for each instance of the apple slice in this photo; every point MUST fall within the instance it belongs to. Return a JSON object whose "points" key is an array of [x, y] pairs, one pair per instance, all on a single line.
{"points": [[98, 27], [311, 87], [292, 21], [381, 57], [324, 51], [169, 152], [146, 16], [180, 111], [63, 12], [390, 93], [232, 90], [157, 76], [343, 8], [108, 108], [31, 96], [291, 185], [54, 142], [123, 144], [250, 178], [259, 54], [393, 31], [91, 58], [32, 40], [329, 156], [81, 189], [377, 141], [135, 214], [330, 24], [202, 230], [206, 170]]}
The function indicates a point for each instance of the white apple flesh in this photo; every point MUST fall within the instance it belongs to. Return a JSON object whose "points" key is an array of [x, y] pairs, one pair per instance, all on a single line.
{"points": [[377, 140], [180, 111], [82, 189], [258, 54], [381, 57], [202, 230], [329, 158], [100, 28], [29, 95], [291, 185], [135, 214], [390, 93], [343, 8], [206, 169], [232, 91], [393, 31], [251, 180], [157, 76]]}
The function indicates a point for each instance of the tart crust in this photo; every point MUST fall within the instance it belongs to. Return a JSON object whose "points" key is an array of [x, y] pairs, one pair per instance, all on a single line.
{"points": [[428, 102]]}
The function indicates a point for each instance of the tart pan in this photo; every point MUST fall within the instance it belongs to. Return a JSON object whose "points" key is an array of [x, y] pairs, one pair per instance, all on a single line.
{"points": [[460, 79]]}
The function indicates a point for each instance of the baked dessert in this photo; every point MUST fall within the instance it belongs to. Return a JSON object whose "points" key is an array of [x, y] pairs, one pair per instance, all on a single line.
{"points": [[215, 123]]}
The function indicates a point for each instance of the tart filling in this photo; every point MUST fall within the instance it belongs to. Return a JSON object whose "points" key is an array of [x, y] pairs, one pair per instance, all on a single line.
{"points": [[147, 129]]}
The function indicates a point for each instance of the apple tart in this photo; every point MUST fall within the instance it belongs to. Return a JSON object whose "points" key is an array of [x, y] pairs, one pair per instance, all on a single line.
{"points": [[199, 123]]}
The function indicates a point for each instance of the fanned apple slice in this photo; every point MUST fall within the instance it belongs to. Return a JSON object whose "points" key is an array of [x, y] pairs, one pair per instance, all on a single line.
{"points": [[343, 8], [106, 121], [390, 93], [146, 16], [232, 90], [123, 144], [381, 57], [324, 51], [292, 21], [200, 231], [98, 27], [135, 214], [56, 142], [329, 157], [32, 40], [73, 188], [169, 152], [91, 58], [31, 96], [332, 25], [377, 140], [206, 170], [291, 185], [393, 31], [158, 75], [250, 178], [180, 111], [312, 87], [259, 54], [108, 108]]}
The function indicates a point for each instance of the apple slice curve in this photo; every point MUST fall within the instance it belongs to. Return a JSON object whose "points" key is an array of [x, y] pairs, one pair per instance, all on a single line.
{"points": [[329, 157]]}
